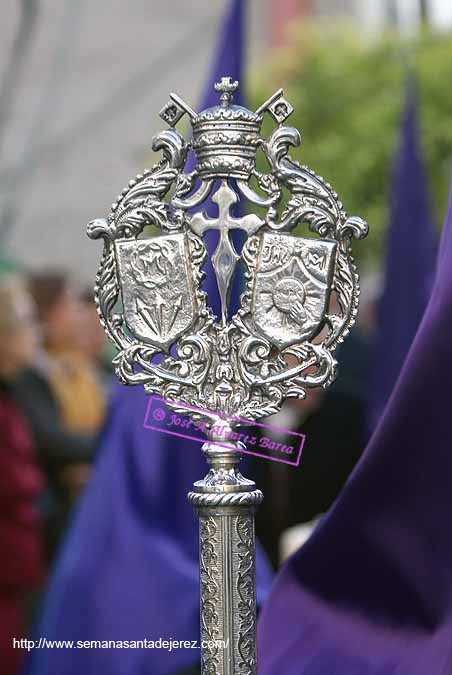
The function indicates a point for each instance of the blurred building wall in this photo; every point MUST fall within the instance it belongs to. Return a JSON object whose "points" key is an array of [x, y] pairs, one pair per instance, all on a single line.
{"points": [[440, 13], [86, 89], [374, 15], [93, 78], [282, 14]]}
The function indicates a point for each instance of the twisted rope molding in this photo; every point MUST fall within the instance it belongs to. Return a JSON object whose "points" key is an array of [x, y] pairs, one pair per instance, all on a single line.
{"points": [[253, 498]]}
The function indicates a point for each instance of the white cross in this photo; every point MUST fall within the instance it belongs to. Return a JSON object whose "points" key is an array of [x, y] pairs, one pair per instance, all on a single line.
{"points": [[225, 258]]}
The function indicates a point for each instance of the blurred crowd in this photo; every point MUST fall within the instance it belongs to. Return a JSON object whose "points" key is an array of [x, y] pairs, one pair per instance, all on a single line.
{"points": [[54, 377]]}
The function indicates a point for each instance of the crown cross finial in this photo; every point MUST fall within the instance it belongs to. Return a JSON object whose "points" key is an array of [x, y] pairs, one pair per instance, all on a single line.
{"points": [[227, 88]]}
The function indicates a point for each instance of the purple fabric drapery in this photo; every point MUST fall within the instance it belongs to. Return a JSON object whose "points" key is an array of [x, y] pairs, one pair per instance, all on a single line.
{"points": [[371, 592], [409, 264]]}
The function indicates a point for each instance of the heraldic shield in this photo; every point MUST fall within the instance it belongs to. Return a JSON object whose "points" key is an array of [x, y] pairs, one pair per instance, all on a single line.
{"points": [[156, 287], [292, 287]]}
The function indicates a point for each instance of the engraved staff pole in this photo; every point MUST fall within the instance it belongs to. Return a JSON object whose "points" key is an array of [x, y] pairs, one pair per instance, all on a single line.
{"points": [[299, 303]]}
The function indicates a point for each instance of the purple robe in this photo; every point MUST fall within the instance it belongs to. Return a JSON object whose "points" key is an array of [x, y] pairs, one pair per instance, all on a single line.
{"points": [[371, 592]]}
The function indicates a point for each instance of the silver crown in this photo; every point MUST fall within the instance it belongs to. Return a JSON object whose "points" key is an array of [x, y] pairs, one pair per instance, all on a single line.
{"points": [[226, 136]]}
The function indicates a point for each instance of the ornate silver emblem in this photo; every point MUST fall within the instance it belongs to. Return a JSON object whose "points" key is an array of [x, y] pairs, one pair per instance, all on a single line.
{"points": [[301, 293], [299, 301]]}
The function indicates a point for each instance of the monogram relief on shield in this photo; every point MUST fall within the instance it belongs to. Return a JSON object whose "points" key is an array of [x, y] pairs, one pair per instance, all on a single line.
{"points": [[156, 288], [292, 287]]}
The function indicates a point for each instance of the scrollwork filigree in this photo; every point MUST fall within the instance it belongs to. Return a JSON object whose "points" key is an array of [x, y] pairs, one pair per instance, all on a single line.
{"points": [[246, 642], [210, 593]]}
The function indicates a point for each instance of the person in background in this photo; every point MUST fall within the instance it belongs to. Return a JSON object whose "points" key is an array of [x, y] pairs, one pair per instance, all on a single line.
{"points": [[62, 400], [21, 482], [63, 324], [96, 348]]}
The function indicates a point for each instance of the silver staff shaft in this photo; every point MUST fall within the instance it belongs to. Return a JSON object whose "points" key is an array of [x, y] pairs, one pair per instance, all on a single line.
{"points": [[225, 502]]}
